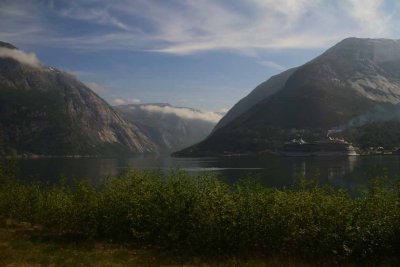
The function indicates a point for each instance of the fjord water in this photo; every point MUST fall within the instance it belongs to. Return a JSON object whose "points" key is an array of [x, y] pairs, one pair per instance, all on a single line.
{"points": [[272, 171]]}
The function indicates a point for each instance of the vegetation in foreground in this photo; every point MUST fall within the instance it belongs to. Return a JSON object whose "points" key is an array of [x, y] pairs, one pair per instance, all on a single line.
{"points": [[206, 217], [23, 246]]}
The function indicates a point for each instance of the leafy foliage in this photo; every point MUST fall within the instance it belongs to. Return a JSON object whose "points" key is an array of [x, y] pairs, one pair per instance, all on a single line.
{"points": [[206, 216]]}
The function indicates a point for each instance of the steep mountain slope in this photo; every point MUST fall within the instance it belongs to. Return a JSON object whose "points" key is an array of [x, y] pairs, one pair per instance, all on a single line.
{"points": [[267, 88], [353, 78], [171, 128], [47, 111]]}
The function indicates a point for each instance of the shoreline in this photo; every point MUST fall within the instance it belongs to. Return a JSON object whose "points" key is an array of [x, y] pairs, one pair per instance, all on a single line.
{"points": [[211, 155]]}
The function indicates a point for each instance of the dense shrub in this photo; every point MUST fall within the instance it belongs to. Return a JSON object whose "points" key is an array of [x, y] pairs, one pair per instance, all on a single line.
{"points": [[205, 215]]}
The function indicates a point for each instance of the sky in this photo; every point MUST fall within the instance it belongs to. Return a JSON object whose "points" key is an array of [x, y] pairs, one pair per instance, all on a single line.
{"points": [[204, 54]]}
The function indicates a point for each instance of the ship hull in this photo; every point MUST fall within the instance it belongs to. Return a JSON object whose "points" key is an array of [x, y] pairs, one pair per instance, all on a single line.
{"points": [[318, 154], [319, 149]]}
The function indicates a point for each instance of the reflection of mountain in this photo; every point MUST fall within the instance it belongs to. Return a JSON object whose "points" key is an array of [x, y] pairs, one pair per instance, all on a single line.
{"points": [[299, 169], [332, 168], [351, 79], [170, 128], [342, 168]]}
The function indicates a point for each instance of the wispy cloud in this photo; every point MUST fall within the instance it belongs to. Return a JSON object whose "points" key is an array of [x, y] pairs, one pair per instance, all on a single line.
{"points": [[125, 101], [368, 15], [223, 111], [119, 101], [272, 65], [25, 58], [185, 113], [187, 27], [21, 21], [93, 15]]}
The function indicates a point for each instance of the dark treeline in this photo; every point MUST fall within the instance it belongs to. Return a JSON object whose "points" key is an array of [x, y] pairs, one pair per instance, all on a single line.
{"points": [[385, 134]]}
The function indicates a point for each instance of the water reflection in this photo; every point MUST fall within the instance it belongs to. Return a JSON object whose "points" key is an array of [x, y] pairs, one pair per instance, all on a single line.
{"points": [[341, 168], [299, 169], [273, 171], [331, 168]]}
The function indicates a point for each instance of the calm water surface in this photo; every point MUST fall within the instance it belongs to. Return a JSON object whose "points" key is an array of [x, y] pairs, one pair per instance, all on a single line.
{"points": [[272, 171]]}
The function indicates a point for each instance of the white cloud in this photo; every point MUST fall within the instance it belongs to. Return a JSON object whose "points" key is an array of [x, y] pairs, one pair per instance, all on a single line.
{"points": [[290, 11], [21, 22], [119, 101], [134, 101], [125, 101], [207, 25], [192, 26], [184, 113], [368, 15], [223, 110], [95, 15], [25, 58], [272, 65]]}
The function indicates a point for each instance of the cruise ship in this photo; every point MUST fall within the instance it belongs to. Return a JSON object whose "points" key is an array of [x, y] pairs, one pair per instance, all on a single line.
{"points": [[327, 147]]}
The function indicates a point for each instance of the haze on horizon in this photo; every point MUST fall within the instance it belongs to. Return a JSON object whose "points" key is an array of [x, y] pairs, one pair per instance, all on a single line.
{"points": [[203, 54]]}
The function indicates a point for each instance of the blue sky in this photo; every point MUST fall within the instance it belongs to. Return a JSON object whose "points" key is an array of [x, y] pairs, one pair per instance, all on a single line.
{"points": [[205, 54]]}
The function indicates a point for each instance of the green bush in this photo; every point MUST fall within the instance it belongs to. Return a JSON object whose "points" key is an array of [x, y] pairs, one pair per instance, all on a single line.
{"points": [[207, 216]]}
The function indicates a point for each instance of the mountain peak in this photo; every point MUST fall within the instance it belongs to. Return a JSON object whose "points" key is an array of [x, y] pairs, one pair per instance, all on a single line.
{"points": [[378, 50], [355, 77], [47, 111], [355, 40], [7, 45]]}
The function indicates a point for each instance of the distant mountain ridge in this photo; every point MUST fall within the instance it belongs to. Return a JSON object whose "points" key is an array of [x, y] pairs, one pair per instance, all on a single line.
{"points": [[351, 79], [171, 128], [46, 111]]}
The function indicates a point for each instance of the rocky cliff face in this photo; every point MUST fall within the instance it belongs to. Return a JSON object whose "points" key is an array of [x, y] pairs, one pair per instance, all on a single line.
{"points": [[47, 111], [351, 79]]}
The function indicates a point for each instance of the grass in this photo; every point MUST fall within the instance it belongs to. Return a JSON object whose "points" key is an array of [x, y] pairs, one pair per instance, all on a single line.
{"points": [[201, 218], [23, 246]]}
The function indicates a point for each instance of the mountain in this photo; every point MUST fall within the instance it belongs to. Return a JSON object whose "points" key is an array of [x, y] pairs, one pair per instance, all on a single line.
{"points": [[171, 128], [267, 88], [350, 81], [47, 111]]}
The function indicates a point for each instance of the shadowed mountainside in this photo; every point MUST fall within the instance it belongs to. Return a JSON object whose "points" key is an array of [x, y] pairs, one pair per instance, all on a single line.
{"points": [[352, 79], [47, 111]]}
